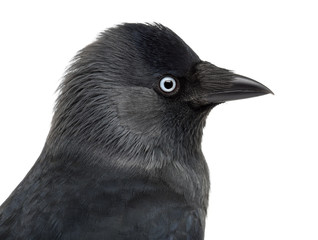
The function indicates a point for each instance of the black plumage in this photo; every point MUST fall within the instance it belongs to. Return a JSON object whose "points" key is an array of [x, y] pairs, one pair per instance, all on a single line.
{"points": [[123, 158]]}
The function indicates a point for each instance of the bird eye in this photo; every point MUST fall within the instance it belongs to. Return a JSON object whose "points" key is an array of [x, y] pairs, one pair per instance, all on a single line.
{"points": [[168, 84]]}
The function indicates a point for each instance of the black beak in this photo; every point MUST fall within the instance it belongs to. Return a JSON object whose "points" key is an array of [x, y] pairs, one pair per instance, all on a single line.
{"points": [[219, 85]]}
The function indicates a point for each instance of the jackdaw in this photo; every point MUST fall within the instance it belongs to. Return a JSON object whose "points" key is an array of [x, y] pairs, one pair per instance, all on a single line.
{"points": [[123, 157]]}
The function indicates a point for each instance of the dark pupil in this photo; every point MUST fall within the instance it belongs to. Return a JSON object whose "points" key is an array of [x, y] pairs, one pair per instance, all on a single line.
{"points": [[168, 84]]}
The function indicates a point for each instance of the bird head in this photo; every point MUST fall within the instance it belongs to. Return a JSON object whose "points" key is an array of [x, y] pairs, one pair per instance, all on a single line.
{"points": [[139, 88]]}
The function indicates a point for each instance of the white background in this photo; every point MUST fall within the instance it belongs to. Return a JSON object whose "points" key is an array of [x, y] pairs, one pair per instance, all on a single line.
{"points": [[262, 152]]}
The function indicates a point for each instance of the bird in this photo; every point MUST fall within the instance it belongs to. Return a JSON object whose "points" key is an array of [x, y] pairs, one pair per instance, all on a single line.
{"points": [[123, 157]]}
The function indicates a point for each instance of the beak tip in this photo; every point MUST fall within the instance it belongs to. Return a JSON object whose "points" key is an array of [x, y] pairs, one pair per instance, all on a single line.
{"points": [[251, 85], [268, 91]]}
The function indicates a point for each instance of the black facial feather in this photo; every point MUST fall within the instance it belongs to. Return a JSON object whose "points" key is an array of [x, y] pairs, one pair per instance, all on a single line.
{"points": [[123, 158], [108, 97]]}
